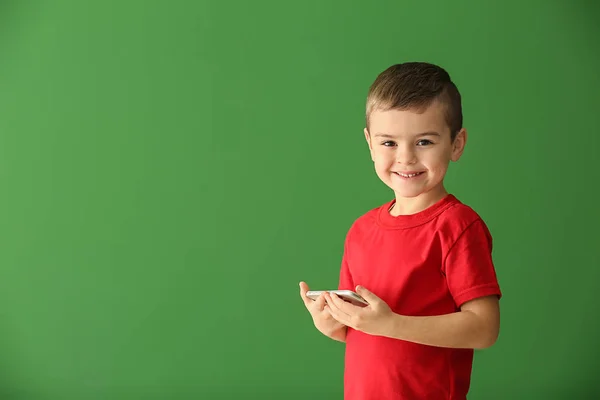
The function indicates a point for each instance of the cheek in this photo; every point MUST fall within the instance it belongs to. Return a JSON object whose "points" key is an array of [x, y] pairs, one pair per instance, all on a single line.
{"points": [[383, 157], [437, 162], [383, 163], [440, 170]]}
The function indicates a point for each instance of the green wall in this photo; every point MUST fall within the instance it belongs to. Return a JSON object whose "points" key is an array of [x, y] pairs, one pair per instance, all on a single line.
{"points": [[169, 172]]}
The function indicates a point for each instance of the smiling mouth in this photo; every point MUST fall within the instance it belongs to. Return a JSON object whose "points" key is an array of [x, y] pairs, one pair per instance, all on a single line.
{"points": [[411, 175]]}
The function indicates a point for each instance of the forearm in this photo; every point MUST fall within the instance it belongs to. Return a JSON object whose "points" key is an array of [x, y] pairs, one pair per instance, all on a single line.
{"points": [[336, 332], [463, 329]]}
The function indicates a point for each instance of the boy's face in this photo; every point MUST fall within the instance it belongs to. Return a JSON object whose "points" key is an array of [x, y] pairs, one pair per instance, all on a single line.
{"points": [[411, 151]]}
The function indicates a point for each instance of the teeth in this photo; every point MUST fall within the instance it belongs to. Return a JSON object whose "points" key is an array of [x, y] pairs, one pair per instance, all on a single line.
{"points": [[407, 175]]}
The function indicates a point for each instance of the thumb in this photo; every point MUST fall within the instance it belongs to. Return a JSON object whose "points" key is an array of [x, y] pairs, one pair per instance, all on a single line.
{"points": [[367, 295], [303, 287]]}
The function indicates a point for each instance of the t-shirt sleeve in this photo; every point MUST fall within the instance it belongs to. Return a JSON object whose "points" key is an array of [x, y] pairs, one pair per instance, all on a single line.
{"points": [[469, 269]]}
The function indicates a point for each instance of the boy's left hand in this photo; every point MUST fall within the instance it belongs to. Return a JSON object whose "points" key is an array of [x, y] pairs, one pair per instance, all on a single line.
{"points": [[374, 319]]}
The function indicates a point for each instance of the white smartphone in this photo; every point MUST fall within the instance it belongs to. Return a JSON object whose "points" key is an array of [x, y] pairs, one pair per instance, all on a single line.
{"points": [[347, 295]]}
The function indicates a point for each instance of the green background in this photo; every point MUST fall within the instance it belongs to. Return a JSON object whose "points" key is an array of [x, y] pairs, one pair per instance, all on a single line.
{"points": [[170, 171]]}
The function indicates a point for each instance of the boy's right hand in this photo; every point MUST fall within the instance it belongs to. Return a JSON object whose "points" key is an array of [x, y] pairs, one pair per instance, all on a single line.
{"points": [[323, 321]]}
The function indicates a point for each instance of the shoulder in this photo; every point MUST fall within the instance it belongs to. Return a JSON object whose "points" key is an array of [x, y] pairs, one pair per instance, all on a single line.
{"points": [[459, 219], [459, 214]]}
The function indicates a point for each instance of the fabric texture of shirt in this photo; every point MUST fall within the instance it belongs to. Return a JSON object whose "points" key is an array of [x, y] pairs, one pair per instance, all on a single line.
{"points": [[424, 264]]}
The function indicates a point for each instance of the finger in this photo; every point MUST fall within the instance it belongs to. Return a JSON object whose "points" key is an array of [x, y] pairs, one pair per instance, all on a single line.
{"points": [[320, 303], [303, 290], [343, 305], [339, 317], [367, 295], [336, 304]]}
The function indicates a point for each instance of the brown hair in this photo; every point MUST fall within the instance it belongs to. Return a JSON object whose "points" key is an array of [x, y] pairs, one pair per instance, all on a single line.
{"points": [[415, 85]]}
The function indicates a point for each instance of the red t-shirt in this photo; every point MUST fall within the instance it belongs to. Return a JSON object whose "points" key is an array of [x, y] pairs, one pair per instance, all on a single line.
{"points": [[428, 263]]}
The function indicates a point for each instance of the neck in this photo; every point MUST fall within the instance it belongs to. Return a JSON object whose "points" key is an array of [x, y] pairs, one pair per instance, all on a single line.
{"points": [[413, 205]]}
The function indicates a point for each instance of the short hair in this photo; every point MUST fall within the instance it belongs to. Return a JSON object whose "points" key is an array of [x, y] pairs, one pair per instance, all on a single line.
{"points": [[416, 85]]}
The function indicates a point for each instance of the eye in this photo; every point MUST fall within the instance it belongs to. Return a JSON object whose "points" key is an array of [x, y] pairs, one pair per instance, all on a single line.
{"points": [[388, 143], [424, 142]]}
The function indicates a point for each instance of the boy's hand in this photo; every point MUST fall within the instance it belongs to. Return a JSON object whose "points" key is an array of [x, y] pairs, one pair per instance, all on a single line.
{"points": [[374, 319], [322, 319]]}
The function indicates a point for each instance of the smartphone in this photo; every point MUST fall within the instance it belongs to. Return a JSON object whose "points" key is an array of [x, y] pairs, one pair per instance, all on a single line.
{"points": [[347, 295]]}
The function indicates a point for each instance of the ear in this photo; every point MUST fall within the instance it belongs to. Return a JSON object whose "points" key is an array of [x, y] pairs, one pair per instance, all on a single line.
{"points": [[458, 146], [368, 139]]}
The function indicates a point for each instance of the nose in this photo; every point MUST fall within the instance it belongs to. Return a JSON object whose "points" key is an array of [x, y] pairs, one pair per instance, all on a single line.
{"points": [[405, 155]]}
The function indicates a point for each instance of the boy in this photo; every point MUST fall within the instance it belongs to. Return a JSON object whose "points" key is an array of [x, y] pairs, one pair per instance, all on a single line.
{"points": [[422, 261]]}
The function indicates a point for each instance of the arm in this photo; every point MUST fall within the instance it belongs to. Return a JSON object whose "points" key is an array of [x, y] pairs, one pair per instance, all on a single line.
{"points": [[338, 333], [476, 326]]}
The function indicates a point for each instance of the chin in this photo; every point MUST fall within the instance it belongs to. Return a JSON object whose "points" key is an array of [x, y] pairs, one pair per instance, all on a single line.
{"points": [[407, 194], [404, 191]]}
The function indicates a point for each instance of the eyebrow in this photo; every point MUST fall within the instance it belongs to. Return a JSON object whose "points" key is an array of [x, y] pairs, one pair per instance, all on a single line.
{"points": [[386, 135]]}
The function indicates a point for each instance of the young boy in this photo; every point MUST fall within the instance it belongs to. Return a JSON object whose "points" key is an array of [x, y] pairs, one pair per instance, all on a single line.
{"points": [[422, 260]]}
